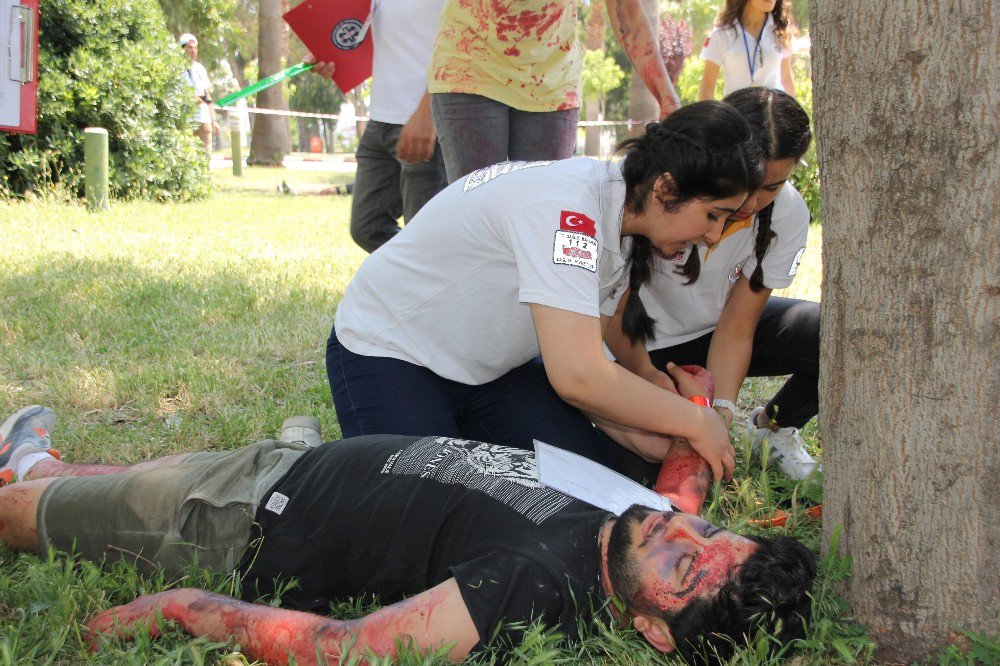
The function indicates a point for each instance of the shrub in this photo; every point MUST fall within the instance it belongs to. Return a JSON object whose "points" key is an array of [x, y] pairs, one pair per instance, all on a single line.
{"points": [[109, 64]]}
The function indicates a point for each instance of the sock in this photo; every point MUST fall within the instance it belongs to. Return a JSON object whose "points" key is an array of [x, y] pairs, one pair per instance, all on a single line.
{"points": [[28, 461]]}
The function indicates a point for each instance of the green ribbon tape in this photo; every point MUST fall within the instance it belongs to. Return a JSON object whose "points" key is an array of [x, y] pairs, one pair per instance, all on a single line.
{"points": [[263, 84]]}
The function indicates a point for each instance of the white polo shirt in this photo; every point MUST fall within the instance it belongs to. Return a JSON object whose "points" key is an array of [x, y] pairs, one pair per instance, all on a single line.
{"points": [[685, 312], [451, 292], [726, 48], [197, 77], [403, 33]]}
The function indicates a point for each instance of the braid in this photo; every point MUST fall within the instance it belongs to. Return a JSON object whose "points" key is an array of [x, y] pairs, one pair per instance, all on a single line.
{"points": [[691, 268], [762, 241], [636, 322]]}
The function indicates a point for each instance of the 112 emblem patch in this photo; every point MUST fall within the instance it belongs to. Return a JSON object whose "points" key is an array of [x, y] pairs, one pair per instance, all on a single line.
{"points": [[575, 249]]}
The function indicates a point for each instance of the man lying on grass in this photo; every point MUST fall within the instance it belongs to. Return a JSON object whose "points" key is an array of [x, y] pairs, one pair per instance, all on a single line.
{"points": [[458, 536]]}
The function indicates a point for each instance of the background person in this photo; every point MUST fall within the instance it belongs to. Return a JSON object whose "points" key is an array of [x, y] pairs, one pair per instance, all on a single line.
{"points": [[440, 331], [458, 537], [505, 78], [751, 46], [400, 166], [714, 306], [197, 78]]}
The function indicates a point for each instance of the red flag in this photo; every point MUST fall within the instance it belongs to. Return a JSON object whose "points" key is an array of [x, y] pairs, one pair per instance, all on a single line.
{"points": [[571, 221], [337, 31]]}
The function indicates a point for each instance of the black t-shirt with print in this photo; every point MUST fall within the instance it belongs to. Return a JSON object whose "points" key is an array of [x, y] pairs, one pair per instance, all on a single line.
{"points": [[395, 515]]}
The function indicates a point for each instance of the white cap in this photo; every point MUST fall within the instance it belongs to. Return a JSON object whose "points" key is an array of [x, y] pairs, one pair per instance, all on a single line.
{"points": [[185, 38]]}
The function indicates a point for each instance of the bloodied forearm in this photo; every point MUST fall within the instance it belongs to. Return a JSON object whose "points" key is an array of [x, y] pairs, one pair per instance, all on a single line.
{"points": [[275, 635], [639, 41]]}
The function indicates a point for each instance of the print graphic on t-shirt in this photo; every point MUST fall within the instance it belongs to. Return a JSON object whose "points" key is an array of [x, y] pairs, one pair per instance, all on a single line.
{"points": [[486, 174], [506, 474]]}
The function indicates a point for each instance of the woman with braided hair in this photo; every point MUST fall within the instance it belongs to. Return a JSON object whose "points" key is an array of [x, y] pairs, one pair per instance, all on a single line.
{"points": [[712, 305], [482, 318]]}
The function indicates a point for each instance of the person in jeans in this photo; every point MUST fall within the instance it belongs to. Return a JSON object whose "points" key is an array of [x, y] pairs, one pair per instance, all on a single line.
{"points": [[400, 166], [712, 306], [484, 317], [505, 78], [457, 538]]}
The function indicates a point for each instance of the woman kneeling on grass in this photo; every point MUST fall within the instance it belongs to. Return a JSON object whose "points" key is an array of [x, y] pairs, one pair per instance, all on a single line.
{"points": [[712, 306], [440, 331]]}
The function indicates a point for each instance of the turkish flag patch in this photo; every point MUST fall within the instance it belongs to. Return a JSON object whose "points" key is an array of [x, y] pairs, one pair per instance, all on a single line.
{"points": [[578, 222], [707, 40]]}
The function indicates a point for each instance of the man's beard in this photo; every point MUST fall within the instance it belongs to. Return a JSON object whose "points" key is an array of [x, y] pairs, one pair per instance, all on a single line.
{"points": [[623, 570]]}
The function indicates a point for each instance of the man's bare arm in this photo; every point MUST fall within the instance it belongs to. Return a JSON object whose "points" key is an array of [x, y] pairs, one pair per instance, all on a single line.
{"points": [[641, 45], [429, 620]]}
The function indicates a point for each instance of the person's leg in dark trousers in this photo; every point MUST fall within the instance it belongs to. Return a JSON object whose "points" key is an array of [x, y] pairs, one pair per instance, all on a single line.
{"points": [[420, 181], [375, 395], [377, 202], [547, 135], [787, 343], [521, 406], [473, 131]]}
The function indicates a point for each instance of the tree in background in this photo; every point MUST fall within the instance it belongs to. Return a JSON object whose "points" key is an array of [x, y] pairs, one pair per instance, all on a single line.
{"points": [[910, 349], [211, 21], [113, 65], [675, 45], [270, 140]]}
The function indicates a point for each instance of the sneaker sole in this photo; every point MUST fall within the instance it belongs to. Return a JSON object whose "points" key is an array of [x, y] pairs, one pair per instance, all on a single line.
{"points": [[7, 475], [8, 425]]}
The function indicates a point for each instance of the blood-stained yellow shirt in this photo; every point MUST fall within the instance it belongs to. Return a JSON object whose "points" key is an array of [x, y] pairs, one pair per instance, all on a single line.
{"points": [[522, 53]]}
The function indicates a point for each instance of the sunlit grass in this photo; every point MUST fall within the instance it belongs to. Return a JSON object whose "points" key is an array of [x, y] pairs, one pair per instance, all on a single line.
{"points": [[159, 329]]}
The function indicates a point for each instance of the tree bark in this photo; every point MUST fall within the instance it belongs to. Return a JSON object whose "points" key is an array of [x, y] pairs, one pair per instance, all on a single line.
{"points": [[271, 139], [906, 98], [642, 105]]}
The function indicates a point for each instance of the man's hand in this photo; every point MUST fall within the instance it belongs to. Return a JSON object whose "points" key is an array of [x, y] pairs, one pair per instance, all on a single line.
{"points": [[692, 380], [125, 621], [324, 69], [416, 141]]}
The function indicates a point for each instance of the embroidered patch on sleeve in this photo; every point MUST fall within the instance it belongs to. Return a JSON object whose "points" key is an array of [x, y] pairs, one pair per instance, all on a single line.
{"points": [[576, 249], [707, 40], [573, 221], [795, 263]]}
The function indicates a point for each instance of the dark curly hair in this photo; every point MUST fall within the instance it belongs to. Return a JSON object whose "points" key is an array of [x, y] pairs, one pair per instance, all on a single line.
{"points": [[710, 152], [781, 126], [768, 592]]}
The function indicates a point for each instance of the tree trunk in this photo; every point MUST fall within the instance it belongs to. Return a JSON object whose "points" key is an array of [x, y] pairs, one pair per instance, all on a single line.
{"points": [[642, 105], [910, 351], [595, 41], [271, 139]]}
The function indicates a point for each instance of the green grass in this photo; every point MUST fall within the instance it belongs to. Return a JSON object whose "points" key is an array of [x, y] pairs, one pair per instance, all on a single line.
{"points": [[159, 329]]}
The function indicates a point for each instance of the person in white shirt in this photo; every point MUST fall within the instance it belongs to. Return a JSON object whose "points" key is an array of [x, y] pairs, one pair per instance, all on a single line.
{"points": [[400, 166], [440, 331], [750, 45], [712, 306], [197, 77]]}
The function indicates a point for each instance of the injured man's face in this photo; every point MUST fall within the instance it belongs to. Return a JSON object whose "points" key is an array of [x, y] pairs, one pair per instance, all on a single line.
{"points": [[659, 562]]}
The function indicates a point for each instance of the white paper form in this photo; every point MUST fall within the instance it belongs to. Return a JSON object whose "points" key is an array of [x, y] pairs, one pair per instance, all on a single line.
{"points": [[592, 482]]}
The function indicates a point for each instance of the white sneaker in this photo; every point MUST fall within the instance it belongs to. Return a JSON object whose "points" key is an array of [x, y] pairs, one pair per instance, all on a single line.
{"points": [[303, 430], [786, 447]]}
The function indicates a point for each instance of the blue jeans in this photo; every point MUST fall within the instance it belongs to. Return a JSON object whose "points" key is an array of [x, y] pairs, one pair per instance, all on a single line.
{"points": [[786, 342], [377, 395], [476, 131], [385, 188]]}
